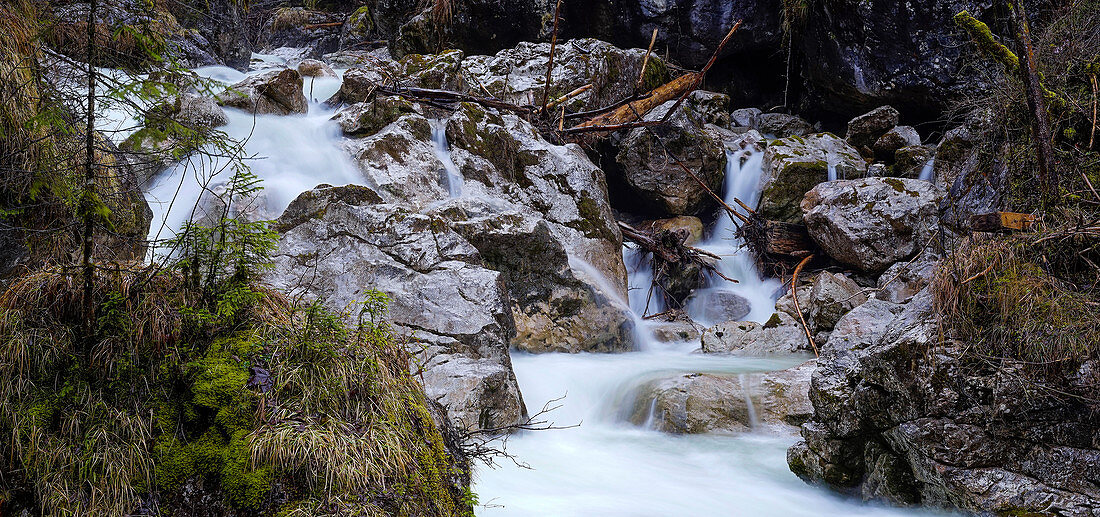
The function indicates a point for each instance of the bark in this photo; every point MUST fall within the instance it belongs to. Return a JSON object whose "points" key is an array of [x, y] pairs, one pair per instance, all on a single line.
{"points": [[1036, 103], [89, 195]]}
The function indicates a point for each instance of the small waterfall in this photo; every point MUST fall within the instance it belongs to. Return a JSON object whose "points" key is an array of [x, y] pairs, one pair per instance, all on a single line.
{"points": [[832, 171], [927, 172], [746, 389], [450, 175]]}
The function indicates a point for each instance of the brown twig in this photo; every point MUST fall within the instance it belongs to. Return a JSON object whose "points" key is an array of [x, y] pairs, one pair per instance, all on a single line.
{"points": [[550, 62], [568, 96], [794, 296], [645, 61], [703, 72], [1092, 132]]}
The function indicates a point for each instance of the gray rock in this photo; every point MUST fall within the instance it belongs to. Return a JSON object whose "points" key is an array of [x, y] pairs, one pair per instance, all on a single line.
{"points": [[903, 280], [337, 241], [971, 189], [865, 129], [367, 118], [711, 107], [871, 223], [831, 297], [277, 92], [782, 125], [518, 75], [782, 335], [315, 68], [794, 165], [894, 139], [676, 331], [745, 117], [709, 403], [655, 176], [715, 305]]}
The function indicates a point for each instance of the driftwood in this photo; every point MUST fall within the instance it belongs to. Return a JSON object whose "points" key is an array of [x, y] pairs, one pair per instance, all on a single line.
{"points": [[668, 246], [776, 245], [447, 96]]}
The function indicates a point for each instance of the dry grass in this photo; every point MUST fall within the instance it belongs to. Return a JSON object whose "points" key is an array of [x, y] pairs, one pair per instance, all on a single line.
{"points": [[1009, 298]]}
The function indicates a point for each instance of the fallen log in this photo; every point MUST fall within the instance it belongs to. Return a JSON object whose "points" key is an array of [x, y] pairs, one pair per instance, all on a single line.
{"points": [[668, 246], [1001, 221], [633, 111]]}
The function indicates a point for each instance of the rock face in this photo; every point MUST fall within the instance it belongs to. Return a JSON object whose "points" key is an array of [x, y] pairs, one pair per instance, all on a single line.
{"points": [[794, 165], [897, 417], [535, 212], [907, 54], [339, 241], [709, 403], [871, 223], [650, 172], [278, 92], [971, 188]]}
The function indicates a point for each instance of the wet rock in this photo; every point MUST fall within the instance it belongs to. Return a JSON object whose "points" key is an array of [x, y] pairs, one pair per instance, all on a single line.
{"points": [[780, 335], [899, 417], [894, 139], [367, 118], [866, 129], [782, 125], [518, 74], [555, 307], [157, 145], [435, 71], [676, 331], [656, 177], [709, 403], [359, 28], [278, 92], [745, 117], [871, 223], [832, 296], [910, 161], [315, 68], [794, 165], [338, 241], [715, 305], [223, 24]]}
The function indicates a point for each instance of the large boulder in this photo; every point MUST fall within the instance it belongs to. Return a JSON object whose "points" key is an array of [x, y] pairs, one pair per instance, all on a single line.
{"points": [[794, 165], [866, 129], [337, 242], [902, 415], [655, 176], [832, 296], [276, 92], [775, 402], [535, 212], [873, 222]]}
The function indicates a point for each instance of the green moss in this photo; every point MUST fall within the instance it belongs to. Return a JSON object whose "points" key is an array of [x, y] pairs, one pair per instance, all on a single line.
{"points": [[656, 74], [773, 321], [983, 37]]}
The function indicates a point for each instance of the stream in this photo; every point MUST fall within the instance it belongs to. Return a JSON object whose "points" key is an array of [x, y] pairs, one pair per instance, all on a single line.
{"points": [[598, 463]]}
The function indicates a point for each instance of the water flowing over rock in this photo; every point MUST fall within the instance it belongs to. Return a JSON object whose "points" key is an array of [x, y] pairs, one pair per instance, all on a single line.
{"points": [[278, 92], [794, 165], [656, 177], [337, 241], [871, 223], [536, 212], [897, 417], [775, 402]]}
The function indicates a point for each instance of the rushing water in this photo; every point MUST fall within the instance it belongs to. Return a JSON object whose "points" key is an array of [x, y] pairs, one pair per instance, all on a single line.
{"points": [[450, 175], [606, 466], [291, 154], [603, 465]]}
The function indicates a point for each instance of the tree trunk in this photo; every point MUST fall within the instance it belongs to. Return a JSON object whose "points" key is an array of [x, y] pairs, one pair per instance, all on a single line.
{"points": [[88, 196], [1040, 122]]}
